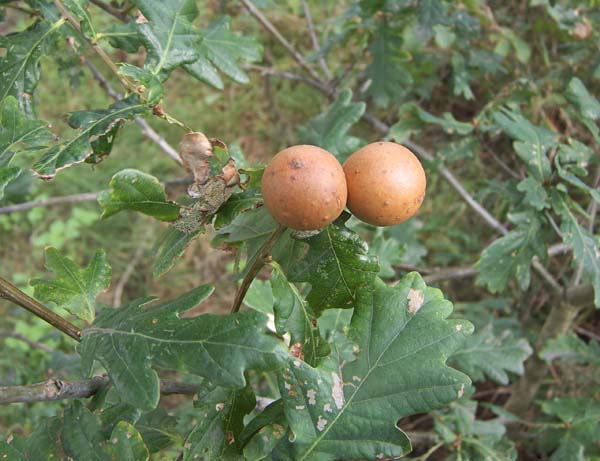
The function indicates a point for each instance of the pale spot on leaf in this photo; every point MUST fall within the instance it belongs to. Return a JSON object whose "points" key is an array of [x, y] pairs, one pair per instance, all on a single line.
{"points": [[461, 391], [416, 298], [321, 423], [337, 391], [311, 394]]}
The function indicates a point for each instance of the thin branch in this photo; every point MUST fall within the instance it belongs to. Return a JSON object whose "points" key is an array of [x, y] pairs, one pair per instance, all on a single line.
{"points": [[137, 256], [592, 211], [12, 293], [25, 339], [117, 13], [75, 198], [287, 75], [56, 389], [146, 129], [254, 11], [255, 267], [451, 273], [315, 41], [582, 331], [99, 51]]}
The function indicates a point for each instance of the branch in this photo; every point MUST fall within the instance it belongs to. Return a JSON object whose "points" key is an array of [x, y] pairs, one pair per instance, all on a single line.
{"points": [[255, 267], [127, 274], [146, 129], [315, 42], [450, 273], [254, 11], [111, 10], [25, 339], [288, 76], [75, 198], [13, 294], [56, 389]]}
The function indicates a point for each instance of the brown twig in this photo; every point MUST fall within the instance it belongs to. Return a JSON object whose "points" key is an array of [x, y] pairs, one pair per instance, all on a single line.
{"points": [[137, 256], [25, 339], [75, 198], [12, 293], [254, 11], [255, 267], [111, 10], [287, 75], [315, 41], [56, 389]]}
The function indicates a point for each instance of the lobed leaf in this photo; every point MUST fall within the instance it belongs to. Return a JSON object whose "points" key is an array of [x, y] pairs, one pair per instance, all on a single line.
{"points": [[486, 354], [134, 190], [337, 266], [92, 124], [221, 49], [351, 412], [73, 289], [128, 341]]}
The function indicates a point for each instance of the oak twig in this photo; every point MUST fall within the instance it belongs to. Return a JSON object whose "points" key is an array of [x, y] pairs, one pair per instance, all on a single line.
{"points": [[117, 13], [25, 339], [315, 41], [56, 389], [255, 267], [254, 11], [75, 198], [12, 293]]}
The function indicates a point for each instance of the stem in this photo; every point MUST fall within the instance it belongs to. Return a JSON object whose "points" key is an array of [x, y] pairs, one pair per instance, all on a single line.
{"points": [[56, 389], [111, 10], [255, 267], [99, 51], [254, 11], [12, 293], [25, 339], [557, 323], [315, 41], [75, 198]]}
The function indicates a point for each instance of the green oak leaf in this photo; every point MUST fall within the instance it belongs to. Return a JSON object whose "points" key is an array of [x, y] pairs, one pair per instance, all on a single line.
{"points": [[221, 49], [134, 190], [447, 121], [81, 435], [586, 246], [480, 440], [460, 77], [158, 429], [217, 434], [571, 349], [489, 355], [578, 94], [531, 142], [169, 247], [400, 370], [44, 443], [431, 13], [580, 436], [294, 315], [18, 134], [127, 444], [153, 89], [252, 229], [168, 35], [510, 256], [92, 124], [329, 130], [130, 339], [20, 66], [387, 71], [338, 267], [535, 194], [124, 36], [73, 289], [565, 173]]}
